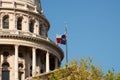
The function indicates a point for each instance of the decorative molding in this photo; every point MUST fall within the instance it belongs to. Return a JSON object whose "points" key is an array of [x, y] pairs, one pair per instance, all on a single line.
{"points": [[36, 40]]}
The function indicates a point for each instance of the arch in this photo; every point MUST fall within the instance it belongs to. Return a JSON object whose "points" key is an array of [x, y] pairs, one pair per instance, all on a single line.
{"points": [[31, 25], [5, 54], [19, 23], [6, 22], [5, 65], [20, 65]]}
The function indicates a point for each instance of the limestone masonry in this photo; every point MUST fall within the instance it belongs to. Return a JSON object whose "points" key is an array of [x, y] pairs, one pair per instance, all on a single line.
{"points": [[25, 49]]}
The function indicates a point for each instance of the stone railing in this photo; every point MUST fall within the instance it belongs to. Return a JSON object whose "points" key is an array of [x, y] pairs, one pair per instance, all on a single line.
{"points": [[20, 33]]}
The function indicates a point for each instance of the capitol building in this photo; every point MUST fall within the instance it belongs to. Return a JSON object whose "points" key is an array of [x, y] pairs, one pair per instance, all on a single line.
{"points": [[25, 49]]}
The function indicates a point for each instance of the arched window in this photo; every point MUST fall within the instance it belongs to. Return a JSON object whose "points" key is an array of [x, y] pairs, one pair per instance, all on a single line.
{"points": [[6, 22], [31, 26], [19, 23]]}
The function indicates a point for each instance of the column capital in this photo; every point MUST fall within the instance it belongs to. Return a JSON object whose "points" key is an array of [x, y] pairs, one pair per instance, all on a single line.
{"points": [[34, 48], [48, 52], [16, 45]]}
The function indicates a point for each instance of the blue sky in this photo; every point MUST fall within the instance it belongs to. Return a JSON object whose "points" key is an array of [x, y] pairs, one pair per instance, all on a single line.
{"points": [[93, 29]]}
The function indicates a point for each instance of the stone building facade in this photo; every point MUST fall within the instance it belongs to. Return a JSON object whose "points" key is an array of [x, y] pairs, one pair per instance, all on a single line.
{"points": [[25, 49]]}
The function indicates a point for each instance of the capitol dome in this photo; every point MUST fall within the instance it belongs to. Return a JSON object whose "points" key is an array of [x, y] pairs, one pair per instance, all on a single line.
{"points": [[25, 47]]}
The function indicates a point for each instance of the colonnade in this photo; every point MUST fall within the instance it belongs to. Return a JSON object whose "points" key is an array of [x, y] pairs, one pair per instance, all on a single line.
{"points": [[33, 62]]}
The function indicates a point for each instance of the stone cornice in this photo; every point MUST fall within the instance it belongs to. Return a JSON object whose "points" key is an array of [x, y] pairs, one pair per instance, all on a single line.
{"points": [[37, 39]]}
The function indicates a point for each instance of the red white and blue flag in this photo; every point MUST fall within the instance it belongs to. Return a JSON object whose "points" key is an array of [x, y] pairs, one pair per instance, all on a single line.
{"points": [[61, 39]]}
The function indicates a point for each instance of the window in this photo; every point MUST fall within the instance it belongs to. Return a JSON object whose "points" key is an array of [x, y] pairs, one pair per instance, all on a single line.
{"points": [[31, 26], [44, 31], [19, 23], [6, 22], [5, 75], [5, 71], [40, 26]]}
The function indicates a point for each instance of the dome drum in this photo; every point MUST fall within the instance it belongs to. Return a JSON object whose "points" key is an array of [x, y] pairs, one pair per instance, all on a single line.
{"points": [[33, 25]]}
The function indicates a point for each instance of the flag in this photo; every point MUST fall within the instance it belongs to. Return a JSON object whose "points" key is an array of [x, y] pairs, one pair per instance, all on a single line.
{"points": [[61, 39]]}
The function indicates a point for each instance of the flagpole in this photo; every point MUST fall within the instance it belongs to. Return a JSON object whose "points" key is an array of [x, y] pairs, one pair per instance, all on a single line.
{"points": [[66, 45]]}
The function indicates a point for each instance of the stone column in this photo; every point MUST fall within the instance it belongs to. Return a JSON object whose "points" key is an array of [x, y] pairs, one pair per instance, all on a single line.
{"points": [[47, 62], [33, 61], [0, 68], [56, 63], [0, 22], [16, 63]]}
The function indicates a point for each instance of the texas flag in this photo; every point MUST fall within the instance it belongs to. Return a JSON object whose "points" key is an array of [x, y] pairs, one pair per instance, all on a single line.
{"points": [[61, 39]]}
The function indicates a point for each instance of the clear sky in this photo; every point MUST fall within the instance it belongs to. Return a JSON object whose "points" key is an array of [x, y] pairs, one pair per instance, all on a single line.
{"points": [[93, 29]]}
